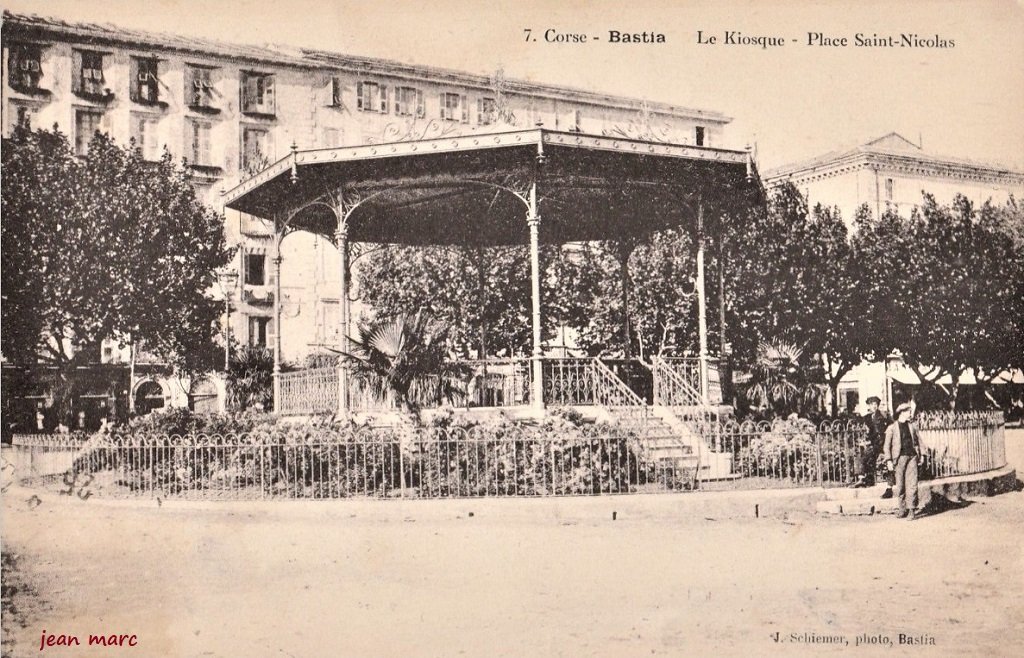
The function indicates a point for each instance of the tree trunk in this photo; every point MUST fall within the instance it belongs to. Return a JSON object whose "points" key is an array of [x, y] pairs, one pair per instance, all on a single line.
{"points": [[954, 389]]}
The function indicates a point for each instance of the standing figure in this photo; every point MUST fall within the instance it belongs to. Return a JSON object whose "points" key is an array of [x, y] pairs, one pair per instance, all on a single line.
{"points": [[902, 451], [876, 422]]}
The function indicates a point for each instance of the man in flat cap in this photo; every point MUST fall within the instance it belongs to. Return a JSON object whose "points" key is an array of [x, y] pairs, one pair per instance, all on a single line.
{"points": [[876, 423], [902, 451]]}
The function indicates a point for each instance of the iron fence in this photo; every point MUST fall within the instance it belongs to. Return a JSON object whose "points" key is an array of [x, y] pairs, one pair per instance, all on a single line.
{"points": [[376, 463], [797, 453], [962, 443], [485, 461]]}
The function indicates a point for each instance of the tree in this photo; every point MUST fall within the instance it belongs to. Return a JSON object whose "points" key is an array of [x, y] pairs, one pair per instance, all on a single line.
{"points": [[947, 285], [790, 279], [482, 295], [659, 304], [104, 246]]}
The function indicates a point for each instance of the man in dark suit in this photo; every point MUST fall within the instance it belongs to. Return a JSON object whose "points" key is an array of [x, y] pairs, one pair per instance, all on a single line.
{"points": [[902, 451], [876, 422]]}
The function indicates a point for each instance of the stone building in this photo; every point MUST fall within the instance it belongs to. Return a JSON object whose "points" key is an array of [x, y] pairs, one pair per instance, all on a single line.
{"points": [[229, 110], [892, 172]]}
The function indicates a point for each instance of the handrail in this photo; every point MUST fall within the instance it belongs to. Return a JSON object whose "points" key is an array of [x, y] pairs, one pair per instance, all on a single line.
{"points": [[665, 373], [609, 390]]}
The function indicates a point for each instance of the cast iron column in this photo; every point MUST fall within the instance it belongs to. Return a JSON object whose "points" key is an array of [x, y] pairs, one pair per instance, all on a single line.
{"points": [[533, 220], [702, 307], [625, 249], [278, 236], [341, 239]]}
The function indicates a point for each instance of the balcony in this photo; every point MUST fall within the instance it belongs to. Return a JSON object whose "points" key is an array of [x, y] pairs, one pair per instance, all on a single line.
{"points": [[258, 295]]}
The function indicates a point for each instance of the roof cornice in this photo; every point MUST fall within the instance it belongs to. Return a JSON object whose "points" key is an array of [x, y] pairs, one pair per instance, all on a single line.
{"points": [[884, 161]]}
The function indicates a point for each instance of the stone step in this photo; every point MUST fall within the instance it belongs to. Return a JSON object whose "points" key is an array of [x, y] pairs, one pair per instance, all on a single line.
{"points": [[858, 506], [848, 493]]}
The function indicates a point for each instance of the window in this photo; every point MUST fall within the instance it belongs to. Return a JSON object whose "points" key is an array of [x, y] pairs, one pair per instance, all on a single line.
{"points": [[888, 189], [145, 83], [852, 400], [332, 137], [454, 108], [327, 322], [258, 93], [90, 75], [144, 132], [23, 116], [255, 269], [256, 149], [409, 102], [486, 111], [199, 87], [258, 331], [371, 97], [698, 135], [24, 67], [87, 124], [198, 133]]}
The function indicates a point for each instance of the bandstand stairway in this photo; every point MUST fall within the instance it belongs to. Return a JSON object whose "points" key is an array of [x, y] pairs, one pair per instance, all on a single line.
{"points": [[661, 402], [624, 406]]}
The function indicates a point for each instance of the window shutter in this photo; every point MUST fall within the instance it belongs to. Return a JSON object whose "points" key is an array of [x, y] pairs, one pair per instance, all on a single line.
{"points": [[384, 99], [246, 91], [268, 94], [465, 108], [359, 96], [421, 108], [76, 76], [444, 106], [133, 88], [192, 89], [13, 66], [399, 92], [335, 91]]}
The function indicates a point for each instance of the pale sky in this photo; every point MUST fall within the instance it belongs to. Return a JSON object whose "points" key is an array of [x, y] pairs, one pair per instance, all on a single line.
{"points": [[795, 101]]}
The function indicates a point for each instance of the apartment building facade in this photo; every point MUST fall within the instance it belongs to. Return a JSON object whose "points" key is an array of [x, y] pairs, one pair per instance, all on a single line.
{"points": [[893, 172], [229, 110]]}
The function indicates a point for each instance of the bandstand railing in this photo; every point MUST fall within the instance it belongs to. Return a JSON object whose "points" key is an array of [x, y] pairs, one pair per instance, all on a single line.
{"points": [[309, 391], [497, 383]]}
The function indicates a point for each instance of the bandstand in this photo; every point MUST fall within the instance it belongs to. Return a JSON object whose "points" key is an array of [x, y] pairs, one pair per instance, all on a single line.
{"points": [[505, 188]]}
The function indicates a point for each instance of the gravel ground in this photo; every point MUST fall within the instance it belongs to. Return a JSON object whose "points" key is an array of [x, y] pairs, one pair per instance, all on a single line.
{"points": [[373, 579]]}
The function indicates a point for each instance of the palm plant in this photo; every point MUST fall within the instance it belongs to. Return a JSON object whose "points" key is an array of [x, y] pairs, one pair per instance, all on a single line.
{"points": [[407, 356], [781, 382], [250, 379]]}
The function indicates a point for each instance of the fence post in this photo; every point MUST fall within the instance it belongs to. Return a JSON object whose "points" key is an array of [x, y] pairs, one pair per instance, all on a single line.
{"points": [[817, 457], [401, 469]]}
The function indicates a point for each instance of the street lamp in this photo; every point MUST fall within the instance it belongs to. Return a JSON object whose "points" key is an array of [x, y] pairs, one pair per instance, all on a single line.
{"points": [[227, 280]]}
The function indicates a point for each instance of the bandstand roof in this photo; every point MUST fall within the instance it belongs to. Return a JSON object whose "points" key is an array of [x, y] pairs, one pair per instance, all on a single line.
{"points": [[472, 189]]}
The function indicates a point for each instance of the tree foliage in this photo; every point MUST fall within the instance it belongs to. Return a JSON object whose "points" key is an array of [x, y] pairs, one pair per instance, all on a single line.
{"points": [[946, 287], [106, 245]]}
